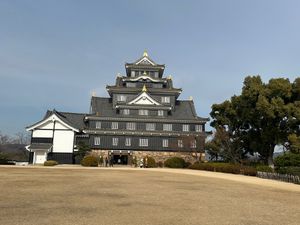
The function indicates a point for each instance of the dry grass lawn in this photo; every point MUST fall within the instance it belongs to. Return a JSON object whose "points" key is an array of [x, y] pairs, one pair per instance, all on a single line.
{"points": [[57, 196]]}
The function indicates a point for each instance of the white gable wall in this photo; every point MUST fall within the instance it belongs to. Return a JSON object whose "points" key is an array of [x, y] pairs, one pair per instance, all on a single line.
{"points": [[42, 133], [63, 141], [63, 136]]}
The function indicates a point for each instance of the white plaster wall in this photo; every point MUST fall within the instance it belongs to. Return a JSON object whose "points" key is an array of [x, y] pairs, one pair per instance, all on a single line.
{"points": [[48, 125], [58, 125], [42, 133], [63, 141]]}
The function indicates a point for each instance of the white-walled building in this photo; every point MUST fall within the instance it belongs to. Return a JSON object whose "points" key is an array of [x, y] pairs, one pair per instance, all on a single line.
{"points": [[54, 137]]}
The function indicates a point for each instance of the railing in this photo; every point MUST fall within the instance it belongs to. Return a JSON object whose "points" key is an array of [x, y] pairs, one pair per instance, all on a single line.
{"points": [[277, 176]]}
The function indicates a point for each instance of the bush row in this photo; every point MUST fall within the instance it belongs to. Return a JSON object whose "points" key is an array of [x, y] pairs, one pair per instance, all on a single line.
{"points": [[225, 168], [50, 163], [89, 160]]}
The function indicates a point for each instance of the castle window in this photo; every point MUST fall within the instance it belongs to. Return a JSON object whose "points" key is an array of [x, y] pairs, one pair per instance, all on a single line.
{"points": [[167, 127], [130, 84], [198, 128], [185, 127], [115, 141], [132, 74], [128, 142], [157, 85], [96, 140], [143, 142], [156, 74], [193, 144], [150, 126], [126, 111], [160, 113], [98, 124], [143, 112], [114, 125], [121, 98], [180, 143], [165, 99], [165, 143], [130, 126]]}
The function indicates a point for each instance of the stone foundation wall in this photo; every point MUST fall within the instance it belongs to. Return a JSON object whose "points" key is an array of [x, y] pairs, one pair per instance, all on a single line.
{"points": [[158, 156], [163, 156]]}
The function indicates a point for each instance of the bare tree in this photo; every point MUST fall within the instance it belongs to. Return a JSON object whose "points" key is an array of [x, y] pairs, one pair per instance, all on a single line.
{"points": [[22, 138], [4, 139]]}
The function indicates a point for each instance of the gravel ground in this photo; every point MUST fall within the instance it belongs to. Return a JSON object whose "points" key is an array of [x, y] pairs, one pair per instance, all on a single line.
{"points": [[121, 196]]}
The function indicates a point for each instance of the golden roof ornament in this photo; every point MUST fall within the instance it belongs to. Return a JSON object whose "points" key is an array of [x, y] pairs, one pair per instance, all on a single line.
{"points": [[145, 73], [145, 54], [144, 88], [169, 77], [191, 98]]}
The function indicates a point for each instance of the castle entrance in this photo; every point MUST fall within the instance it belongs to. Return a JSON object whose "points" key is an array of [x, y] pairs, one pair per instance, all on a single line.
{"points": [[121, 157]]}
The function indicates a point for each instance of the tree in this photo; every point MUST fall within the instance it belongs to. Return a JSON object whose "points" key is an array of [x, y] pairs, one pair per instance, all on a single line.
{"points": [[4, 139], [262, 116], [294, 143], [83, 149], [225, 145], [195, 145], [22, 138]]}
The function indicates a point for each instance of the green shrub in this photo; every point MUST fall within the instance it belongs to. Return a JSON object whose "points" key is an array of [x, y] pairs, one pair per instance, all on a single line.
{"points": [[287, 159], [89, 160], [160, 164], [187, 164], [264, 168], [50, 163], [249, 171], [202, 166], [224, 168], [289, 170], [3, 158], [149, 162], [175, 162]]}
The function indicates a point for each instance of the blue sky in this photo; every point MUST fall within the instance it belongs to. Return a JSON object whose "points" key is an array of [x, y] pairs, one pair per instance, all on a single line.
{"points": [[54, 53]]}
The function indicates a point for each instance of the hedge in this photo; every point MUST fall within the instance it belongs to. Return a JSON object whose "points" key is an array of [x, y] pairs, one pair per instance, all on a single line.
{"points": [[50, 163], [89, 161], [225, 168], [150, 162], [175, 162]]}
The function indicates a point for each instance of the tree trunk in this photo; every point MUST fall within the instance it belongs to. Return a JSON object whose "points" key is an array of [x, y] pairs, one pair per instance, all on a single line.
{"points": [[270, 156]]}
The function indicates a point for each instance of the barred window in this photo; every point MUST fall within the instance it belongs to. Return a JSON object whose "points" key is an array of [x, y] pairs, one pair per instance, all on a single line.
{"points": [[165, 99], [180, 143], [150, 126], [130, 126], [128, 142], [96, 140], [132, 73], [167, 127], [165, 143], [129, 84], [143, 142], [98, 124], [160, 113], [156, 74], [193, 144], [185, 127], [115, 141], [114, 125], [121, 98], [126, 111], [198, 128], [143, 112], [157, 85]]}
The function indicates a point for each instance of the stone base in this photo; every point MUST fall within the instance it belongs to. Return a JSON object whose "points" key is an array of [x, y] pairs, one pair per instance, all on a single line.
{"points": [[158, 156]]}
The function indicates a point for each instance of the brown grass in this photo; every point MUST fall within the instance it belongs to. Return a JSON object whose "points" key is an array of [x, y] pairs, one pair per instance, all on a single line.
{"points": [[115, 196]]}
